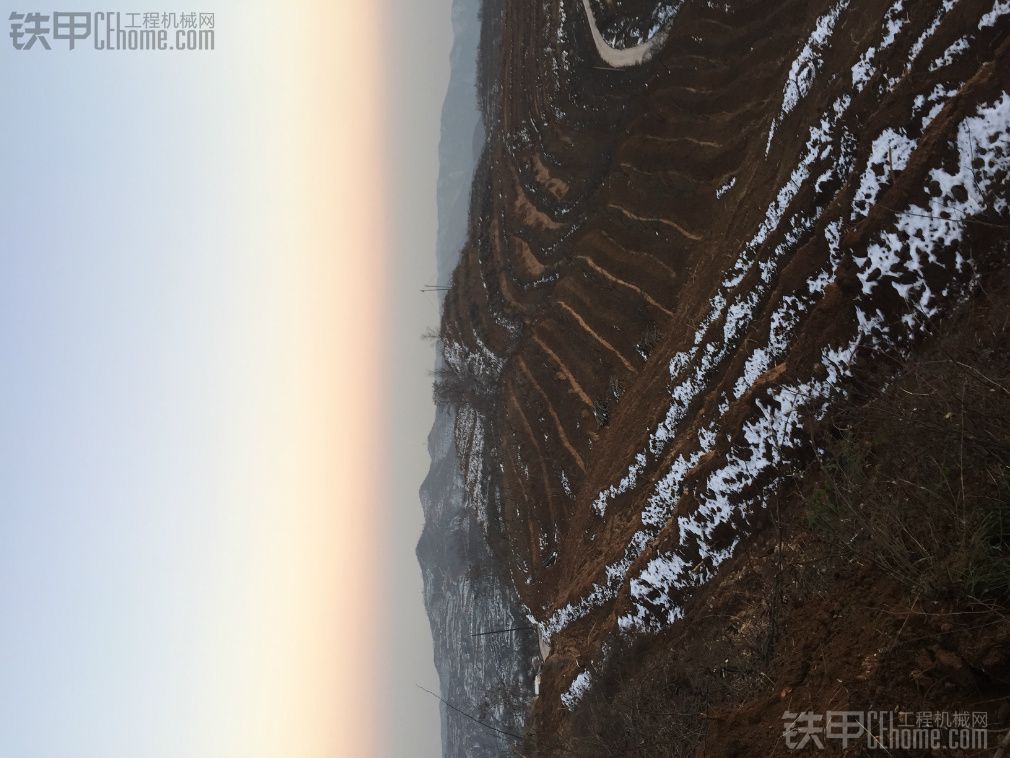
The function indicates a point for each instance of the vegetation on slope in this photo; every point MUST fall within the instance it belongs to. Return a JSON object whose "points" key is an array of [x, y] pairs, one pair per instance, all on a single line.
{"points": [[881, 582]]}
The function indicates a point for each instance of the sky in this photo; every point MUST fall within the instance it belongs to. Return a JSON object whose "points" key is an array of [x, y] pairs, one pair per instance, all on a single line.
{"points": [[216, 397]]}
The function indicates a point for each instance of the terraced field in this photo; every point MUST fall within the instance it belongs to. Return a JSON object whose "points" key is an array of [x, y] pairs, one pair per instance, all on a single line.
{"points": [[675, 266]]}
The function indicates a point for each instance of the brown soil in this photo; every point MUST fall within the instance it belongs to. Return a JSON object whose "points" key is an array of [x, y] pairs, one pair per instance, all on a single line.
{"points": [[806, 619], [596, 229]]}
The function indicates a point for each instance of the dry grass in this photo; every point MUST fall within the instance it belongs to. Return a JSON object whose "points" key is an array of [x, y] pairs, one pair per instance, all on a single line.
{"points": [[913, 482], [615, 719], [917, 482]]}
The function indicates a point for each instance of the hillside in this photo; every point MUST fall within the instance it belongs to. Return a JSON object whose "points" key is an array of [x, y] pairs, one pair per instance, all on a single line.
{"points": [[699, 231], [465, 590]]}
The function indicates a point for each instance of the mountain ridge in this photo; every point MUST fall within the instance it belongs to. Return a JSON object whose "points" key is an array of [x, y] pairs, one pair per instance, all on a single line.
{"points": [[674, 269]]}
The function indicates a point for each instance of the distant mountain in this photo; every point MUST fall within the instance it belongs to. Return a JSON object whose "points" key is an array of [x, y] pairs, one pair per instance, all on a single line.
{"points": [[489, 677]]}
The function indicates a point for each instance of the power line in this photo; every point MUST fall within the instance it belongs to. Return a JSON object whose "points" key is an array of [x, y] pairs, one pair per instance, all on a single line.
{"points": [[472, 718], [503, 631]]}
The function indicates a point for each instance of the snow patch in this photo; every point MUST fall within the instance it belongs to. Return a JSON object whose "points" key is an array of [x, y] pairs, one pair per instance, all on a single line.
{"points": [[806, 66], [951, 54], [999, 8], [721, 192], [577, 690], [888, 155]]}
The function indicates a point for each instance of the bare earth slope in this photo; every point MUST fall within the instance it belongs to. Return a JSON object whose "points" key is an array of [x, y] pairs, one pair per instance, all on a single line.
{"points": [[674, 268]]}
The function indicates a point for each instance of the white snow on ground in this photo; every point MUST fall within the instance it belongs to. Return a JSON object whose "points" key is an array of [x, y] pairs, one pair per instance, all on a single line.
{"points": [[469, 433], [627, 483], [894, 22], [898, 257], [482, 365], [863, 70], [935, 100], [951, 54], [691, 369], [637, 54], [575, 693], [721, 192], [661, 504], [924, 231], [889, 154], [769, 438], [787, 316], [704, 359], [929, 31], [766, 441], [482, 362], [804, 68], [566, 485], [999, 8], [741, 470]]}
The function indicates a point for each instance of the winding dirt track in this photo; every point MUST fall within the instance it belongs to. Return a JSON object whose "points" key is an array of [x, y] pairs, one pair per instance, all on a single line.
{"points": [[623, 57]]}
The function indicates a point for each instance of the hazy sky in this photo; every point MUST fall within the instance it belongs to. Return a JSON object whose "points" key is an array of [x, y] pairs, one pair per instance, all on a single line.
{"points": [[216, 397], [423, 37]]}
